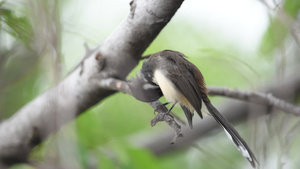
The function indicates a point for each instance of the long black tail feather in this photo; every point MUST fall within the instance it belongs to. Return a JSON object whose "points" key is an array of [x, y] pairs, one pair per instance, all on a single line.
{"points": [[232, 134]]}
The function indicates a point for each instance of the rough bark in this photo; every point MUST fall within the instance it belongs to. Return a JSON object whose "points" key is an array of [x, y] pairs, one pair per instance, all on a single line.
{"points": [[115, 57]]}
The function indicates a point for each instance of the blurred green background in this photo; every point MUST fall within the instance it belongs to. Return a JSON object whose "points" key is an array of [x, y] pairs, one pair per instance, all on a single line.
{"points": [[237, 44]]}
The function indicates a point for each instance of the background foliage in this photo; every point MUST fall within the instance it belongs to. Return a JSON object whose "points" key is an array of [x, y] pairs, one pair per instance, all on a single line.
{"points": [[41, 41]]}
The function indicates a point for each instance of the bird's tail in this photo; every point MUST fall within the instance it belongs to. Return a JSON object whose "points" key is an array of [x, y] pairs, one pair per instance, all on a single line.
{"points": [[232, 134]]}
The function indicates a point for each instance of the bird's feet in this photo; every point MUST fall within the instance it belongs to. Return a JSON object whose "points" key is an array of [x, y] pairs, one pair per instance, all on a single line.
{"points": [[155, 110], [164, 115]]}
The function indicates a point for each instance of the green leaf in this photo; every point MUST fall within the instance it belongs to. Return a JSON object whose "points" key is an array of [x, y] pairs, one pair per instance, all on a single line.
{"points": [[130, 157], [2, 2], [88, 127], [274, 36], [18, 27], [83, 155], [292, 7], [277, 31], [105, 162]]}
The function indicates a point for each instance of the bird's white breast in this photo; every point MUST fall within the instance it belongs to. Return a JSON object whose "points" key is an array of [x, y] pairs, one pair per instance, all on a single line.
{"points": [[167, 87], [171, 93]]}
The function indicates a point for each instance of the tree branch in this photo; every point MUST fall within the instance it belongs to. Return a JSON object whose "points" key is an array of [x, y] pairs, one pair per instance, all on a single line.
{"points": [[256, 97], [79, 91], [251, 97]]}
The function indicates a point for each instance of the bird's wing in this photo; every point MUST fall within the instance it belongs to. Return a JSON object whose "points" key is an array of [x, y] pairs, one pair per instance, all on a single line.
{"points": [[187, 85]]}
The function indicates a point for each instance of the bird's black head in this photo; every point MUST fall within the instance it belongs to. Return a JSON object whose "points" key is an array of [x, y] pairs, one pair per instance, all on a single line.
{"points": [[143, 87], [147, 71]]}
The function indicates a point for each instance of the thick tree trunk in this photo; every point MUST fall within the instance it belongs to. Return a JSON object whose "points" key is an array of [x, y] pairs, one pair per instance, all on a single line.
{"points": [[116, 57]]}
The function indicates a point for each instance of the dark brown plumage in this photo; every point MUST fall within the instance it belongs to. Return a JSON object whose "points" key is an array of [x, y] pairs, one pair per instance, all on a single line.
{"points": [[169, 73]]}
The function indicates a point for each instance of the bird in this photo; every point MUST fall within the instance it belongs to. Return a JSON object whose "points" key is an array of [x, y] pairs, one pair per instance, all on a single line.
{"points": [[168, 73]]}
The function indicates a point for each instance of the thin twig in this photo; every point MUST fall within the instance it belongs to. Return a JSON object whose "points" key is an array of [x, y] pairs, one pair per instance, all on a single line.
{"points": [[256, 97], [115, 84]]}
